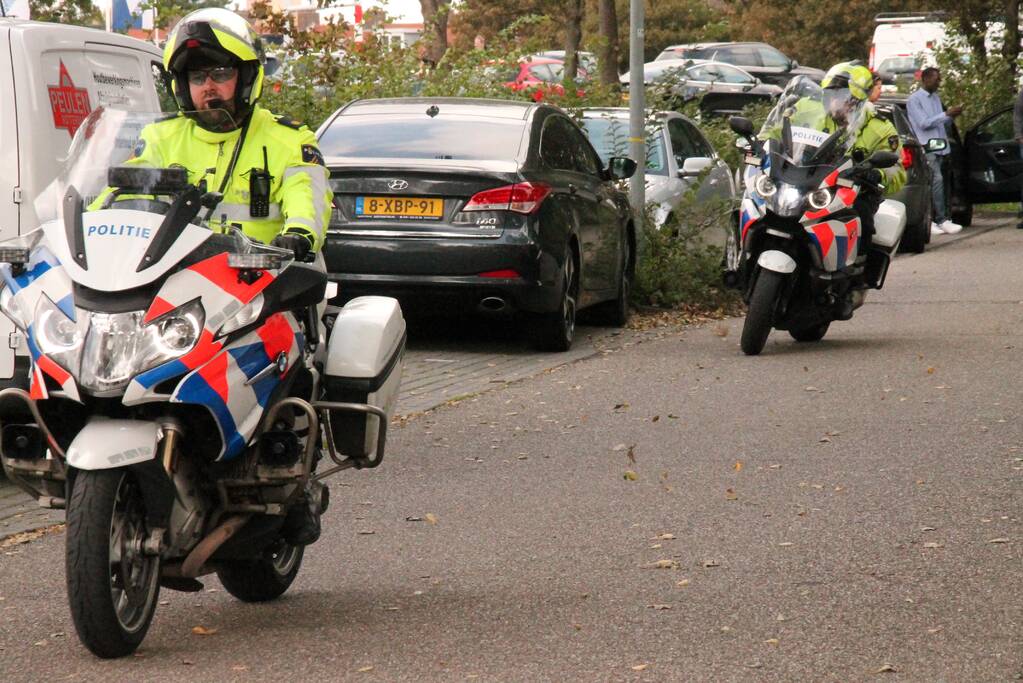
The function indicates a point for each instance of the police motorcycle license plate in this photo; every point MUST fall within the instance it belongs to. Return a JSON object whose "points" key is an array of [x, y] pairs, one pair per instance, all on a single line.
{"points": [[424, 208]]}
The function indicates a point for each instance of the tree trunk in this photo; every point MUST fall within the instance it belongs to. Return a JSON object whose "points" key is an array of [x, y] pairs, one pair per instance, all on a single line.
{"points": [[1010, 50], [435, 28], [609, 47], [573, 36]]}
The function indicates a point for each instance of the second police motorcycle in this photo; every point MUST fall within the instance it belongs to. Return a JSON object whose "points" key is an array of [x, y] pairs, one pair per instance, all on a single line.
{"points": [[185, 403], [798, 256]]}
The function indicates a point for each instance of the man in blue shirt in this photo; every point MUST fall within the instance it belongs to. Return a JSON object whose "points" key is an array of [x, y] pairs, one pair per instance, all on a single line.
{"points": [[928, 117]]}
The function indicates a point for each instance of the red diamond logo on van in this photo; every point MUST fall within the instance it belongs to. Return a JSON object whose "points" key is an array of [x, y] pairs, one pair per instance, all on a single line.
{"points": [[70, 105]]}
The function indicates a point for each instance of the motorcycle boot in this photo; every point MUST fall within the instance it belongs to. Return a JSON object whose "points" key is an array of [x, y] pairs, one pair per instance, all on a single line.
{"points": [[302, 523]]}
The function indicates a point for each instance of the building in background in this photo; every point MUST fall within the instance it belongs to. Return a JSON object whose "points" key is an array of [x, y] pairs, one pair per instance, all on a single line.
{"points": [[405, 25]]}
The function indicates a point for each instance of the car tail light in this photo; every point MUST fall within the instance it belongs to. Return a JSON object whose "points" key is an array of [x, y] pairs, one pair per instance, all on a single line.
{"points": [[907, 157], [520, 198], [506, 274]]}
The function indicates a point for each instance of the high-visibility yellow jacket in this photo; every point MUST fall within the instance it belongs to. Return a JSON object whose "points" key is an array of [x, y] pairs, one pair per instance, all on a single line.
{"points": [[300, 196]]}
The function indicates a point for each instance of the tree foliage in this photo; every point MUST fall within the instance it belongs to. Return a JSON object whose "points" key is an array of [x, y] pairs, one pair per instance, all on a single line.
{"points": [[169, 12], [77, 12]]}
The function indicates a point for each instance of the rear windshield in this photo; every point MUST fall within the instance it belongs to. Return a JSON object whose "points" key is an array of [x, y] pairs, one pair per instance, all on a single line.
{"points": [[610, 137], [422, 137]]}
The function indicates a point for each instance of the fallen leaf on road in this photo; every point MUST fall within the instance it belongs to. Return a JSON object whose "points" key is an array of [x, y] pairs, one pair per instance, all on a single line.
{"points": [[886, 669], [824, 439], [366, 532], [737, 466], [658, 606], [935, 630], [811, 389], [619, 447], [640, 667], [934, 544], [413, 519], [711, 563], [629, 475], [655, 546], [203, 631], [430, 518], [786, 544], [683, 582], [622, 406], [999, 540], [772, 641], [239, 667], [672, 417], [731, 495], [365, 669], [655, 418], [631, 455], [775, 467], [930, 371], [664, 564], [665, 537]]}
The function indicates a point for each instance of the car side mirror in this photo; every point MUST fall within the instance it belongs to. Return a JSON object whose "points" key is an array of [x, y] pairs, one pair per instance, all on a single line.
{"points": [[936, 144], [741, 126], [694, 166], [620, 168], [883, 159]]}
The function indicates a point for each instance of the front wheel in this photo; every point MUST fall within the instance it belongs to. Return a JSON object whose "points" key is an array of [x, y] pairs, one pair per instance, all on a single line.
{"points": [[760, 316], [265, 578], [112, 584]]}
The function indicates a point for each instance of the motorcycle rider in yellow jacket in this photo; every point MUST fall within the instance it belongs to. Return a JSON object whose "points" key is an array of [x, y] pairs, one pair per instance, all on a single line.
{"points": [[268, 168]]}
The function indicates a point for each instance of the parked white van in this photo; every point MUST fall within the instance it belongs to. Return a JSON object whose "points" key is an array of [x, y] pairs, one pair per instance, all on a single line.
{"points": [[904, 43], [52, 76]]}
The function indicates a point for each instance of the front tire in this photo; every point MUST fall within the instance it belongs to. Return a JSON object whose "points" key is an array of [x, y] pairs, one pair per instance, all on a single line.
{"points": [[112, 584], [760, 315], [263, 579]]}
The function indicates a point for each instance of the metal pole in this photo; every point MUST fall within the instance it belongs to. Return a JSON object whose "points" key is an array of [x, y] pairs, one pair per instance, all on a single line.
{"points": [[637, 105]]}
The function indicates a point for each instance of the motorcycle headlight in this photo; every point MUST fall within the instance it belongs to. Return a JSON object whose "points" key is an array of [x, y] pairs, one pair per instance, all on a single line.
{"points": [[57, 335], [764, 186], [119, 346], [820, 198], [786, 201]]}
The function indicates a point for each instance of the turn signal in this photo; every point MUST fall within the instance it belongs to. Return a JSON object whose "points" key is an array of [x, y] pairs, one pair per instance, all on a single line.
{"points": [[907, 157], [520, 198]]}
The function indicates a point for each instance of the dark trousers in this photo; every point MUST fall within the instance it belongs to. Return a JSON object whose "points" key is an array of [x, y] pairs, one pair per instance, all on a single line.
{"points": [[866, 205]]}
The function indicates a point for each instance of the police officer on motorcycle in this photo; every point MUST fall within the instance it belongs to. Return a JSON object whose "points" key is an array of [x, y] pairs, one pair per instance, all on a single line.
{"points": [[847, 88], [268, 168]]}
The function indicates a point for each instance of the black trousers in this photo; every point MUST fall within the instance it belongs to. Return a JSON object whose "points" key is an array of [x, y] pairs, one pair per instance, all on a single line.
{"points": [[866, 205]]}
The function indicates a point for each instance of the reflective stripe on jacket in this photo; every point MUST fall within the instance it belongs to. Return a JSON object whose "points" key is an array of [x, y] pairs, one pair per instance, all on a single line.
{"points": [[300, 196]]}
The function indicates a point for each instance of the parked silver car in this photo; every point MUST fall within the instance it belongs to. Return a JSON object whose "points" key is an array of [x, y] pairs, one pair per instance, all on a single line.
{"points": [[678, 156]]}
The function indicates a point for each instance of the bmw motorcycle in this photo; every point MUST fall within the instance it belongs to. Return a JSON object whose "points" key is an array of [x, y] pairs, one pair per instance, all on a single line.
{"points": [[181, 394], [797, 255]]}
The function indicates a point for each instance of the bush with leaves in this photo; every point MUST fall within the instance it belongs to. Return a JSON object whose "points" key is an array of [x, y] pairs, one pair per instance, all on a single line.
{"points": [[981, 86]]}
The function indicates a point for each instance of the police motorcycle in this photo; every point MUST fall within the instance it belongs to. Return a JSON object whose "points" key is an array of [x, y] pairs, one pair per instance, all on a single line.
{"points": [[797, 256], [182, 401]]}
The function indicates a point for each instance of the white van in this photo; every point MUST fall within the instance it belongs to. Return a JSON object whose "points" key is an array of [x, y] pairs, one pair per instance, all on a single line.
{"points": [[904, 43], [52, 76]]}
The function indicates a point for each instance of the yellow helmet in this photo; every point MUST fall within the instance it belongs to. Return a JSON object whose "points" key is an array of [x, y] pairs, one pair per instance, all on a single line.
{"points": [[858, 79], [219, 37]]}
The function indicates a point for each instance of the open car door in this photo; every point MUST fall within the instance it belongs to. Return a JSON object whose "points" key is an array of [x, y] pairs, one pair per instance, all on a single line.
{"points": [[994, 167]]}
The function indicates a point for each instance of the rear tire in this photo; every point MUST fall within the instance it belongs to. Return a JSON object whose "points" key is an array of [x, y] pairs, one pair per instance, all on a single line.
{"points": [[760, 316], [555, 331], [813, 333], [918, 235], [112, 585], [264, 579]]}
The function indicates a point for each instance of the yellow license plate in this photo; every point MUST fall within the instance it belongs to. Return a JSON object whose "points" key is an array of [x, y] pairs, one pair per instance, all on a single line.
{"points": [[399, 207]]}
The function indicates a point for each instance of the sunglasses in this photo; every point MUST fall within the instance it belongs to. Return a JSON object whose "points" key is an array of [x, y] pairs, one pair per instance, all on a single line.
{"points": [[219, 74]]}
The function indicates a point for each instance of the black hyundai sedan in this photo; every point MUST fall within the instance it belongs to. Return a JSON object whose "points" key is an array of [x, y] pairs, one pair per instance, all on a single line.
{"points": [[471, 205]]}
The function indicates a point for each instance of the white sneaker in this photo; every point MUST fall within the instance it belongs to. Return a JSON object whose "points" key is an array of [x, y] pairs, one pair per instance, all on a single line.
{"points": [[936, 229], [950, 228]]}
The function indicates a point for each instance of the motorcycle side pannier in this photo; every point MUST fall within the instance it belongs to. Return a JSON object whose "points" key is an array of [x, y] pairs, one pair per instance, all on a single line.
{"points": [[889, 223], [364, 365]]}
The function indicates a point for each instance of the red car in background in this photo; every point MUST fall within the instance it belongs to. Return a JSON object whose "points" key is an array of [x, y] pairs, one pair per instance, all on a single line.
{"points": [[538, 78]]}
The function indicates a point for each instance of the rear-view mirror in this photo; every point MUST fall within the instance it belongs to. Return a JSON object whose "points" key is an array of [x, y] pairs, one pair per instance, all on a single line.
{"points": [[883, 159], [620, 168], [936, 144], [740, 125], [694, 166]]}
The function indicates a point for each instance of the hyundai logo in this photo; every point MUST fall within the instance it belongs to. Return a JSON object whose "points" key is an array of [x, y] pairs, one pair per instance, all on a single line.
{"points": [[397, 184]]}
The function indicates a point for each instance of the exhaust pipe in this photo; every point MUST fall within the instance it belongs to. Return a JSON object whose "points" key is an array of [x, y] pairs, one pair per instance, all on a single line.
{"points": [[493, 304]]}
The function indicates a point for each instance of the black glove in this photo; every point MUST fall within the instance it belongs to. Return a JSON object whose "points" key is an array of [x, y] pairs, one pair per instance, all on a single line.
{"points": [[298, 242]]}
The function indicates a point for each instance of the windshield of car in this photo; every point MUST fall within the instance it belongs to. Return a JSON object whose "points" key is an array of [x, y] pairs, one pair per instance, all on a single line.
{"points": [[423, 137], [610, 137], [898, 65], [813, 116]]}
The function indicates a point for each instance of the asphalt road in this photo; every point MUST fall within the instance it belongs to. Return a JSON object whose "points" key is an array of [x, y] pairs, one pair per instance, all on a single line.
{"points": [[842, 511]]}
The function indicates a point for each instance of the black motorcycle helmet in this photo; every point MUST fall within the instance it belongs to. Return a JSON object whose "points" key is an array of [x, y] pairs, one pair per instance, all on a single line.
{"points": [[215, 37]]}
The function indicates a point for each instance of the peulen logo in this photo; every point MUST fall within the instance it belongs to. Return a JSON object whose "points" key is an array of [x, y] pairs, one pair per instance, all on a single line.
{"points": [[397, 184]]}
